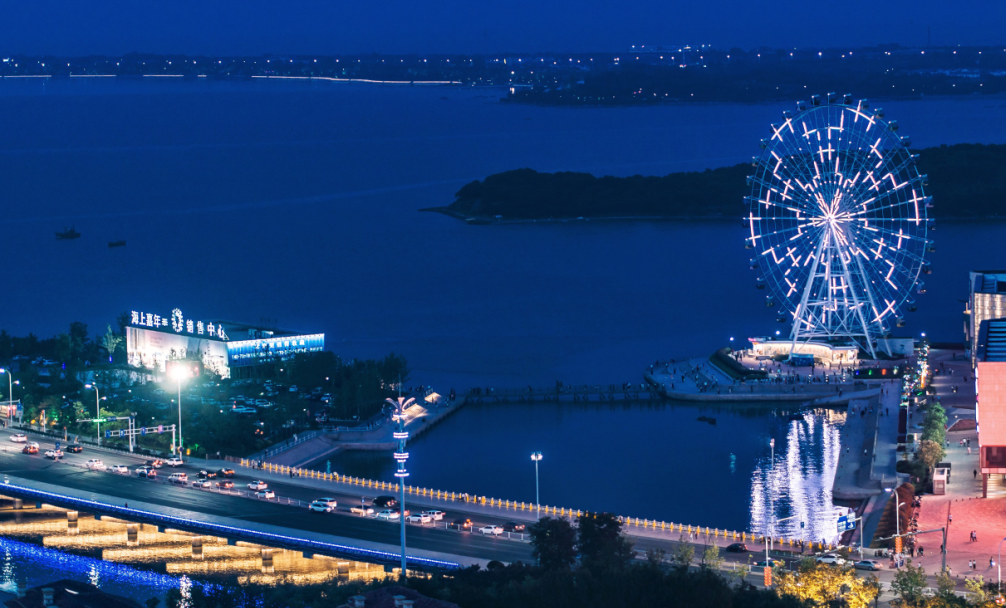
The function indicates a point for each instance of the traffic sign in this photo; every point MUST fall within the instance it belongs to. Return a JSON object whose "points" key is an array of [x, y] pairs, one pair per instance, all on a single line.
{"points": [[143, 431], [846, 523], [160, 428], [57, 445], [108, 434]]}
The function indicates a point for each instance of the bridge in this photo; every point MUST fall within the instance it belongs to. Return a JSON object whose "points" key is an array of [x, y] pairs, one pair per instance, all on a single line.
{"points": [[565, 393]]}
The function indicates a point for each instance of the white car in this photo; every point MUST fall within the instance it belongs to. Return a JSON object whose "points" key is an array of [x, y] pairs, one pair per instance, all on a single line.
{"points": [[34, 444], [174, 462], [179, 478], [19, 438], [202, 483], [494, 530], [436, 515], [95, 464], [265, 494], [831, 560], [258, 484], [389, 515], [323, 505], [421, 518], [121, 469], [54, 454], [362, 511]]}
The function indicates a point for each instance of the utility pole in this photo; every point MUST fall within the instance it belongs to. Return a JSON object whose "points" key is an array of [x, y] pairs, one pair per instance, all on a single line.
{"points": [[401, 435]]}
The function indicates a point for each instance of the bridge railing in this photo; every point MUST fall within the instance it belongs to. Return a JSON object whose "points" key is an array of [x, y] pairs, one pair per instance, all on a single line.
{"points": [[507, 505]]}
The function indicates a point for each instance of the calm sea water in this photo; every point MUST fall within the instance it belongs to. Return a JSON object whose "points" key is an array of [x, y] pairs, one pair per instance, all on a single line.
{"points": [[297, 202]]}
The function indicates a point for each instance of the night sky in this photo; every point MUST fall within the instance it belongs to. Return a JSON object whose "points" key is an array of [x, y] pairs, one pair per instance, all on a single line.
{"points": [[77, 27]]}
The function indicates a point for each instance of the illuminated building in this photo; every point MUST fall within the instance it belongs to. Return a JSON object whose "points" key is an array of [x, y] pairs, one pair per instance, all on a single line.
{"points": [[990, 411], [224, 348], [986, 300]]}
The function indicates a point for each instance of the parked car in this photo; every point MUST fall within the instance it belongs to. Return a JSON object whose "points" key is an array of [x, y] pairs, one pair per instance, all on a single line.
{"points": [[54, 454], [206, 475], [362, 510], [258, 484], [19, 438], [322, 505], [830, 559], [385, 501], [265, 494], [145, 471], [179, 478], [121, 469], [226, 472], [868, 564], [225, 485], [95, 464], [737, 548], [494, 530], [513, 526], [174, 461], [388, 514], [420, 518], [156, 463], [462, 524], [29, 449], [436, 515]]}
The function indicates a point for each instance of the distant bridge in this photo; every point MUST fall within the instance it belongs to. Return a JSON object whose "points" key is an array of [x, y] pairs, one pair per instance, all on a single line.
{"points": [[555, 394]]}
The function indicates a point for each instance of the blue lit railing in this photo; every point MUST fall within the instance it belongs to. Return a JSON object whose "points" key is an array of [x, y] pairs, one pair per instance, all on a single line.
{"points": [[265, 538]]}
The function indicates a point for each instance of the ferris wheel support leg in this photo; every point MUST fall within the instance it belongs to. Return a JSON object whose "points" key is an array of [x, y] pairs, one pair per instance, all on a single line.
{"points": [[859, 306]]}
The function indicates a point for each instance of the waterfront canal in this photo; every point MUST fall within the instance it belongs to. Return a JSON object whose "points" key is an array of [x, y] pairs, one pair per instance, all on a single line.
{"points": [[648, 460]]}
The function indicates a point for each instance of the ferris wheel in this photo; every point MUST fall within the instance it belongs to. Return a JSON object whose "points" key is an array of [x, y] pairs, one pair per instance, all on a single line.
{"points": [[838, 220]]}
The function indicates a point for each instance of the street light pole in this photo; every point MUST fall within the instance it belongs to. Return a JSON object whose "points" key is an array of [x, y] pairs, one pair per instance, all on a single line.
{"points": [[536, 457], [401, 435], [180, 372], [10, 394], [97, 408]]}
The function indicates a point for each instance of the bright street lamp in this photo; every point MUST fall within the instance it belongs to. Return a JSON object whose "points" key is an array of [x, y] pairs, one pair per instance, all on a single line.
{"points": [[536, 457], [10, 395], [97, 407], [179, 373], [401, 435]]}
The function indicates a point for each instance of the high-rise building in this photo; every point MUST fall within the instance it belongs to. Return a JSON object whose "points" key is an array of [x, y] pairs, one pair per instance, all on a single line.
{"points": [[990, 412], [986, 300]]}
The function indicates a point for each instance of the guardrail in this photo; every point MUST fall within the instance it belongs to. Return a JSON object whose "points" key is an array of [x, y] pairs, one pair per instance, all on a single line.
{"points": [[220, 530], [137, 451], [628, 522]]}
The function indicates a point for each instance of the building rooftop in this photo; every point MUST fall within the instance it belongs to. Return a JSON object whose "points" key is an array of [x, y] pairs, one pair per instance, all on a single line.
{"points": [[992, 341], [988, 281]]}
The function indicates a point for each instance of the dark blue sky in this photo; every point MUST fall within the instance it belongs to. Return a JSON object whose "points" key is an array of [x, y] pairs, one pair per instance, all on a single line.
{"points": [[393, 26]]}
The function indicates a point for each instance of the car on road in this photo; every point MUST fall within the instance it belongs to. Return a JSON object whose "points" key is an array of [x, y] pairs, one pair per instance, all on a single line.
{"points": [[179, 478], [226, 472], [868, 564], [54, 454], [206, 475], [513, 526], [323, 505], [74, 448], [462, 524], [830, 559], [436, 515], [362, 510], [174, 462], [772, 563], [145, 471], [388, 514], [225, 485], [384, 502], [121, 469], [737, 548], [419, 518], [202, 483], [19, 438], [29, 449], [156, 463], [95, 464], [494, 530], [35, 445], [265, 494], [258, 484]]}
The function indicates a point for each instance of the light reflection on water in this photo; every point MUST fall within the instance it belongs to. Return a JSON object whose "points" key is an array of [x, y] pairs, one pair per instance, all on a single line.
{"points": [[797, 487]]}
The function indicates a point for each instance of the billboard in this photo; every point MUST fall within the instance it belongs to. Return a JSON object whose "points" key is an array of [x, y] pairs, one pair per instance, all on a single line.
{"points": [[243, 353]]}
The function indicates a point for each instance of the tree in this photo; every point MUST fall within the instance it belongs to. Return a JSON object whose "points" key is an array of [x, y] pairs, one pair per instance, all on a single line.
{"points": [[554, 543], [683, 553], [909, 582], [601, 542], [111, 341], [929, 453], [823, 585], [711, 557]]}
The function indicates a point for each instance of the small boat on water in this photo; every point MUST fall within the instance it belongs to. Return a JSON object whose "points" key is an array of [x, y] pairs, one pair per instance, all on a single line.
{"points": [[67, 234], [116, 244], [706, 419]]}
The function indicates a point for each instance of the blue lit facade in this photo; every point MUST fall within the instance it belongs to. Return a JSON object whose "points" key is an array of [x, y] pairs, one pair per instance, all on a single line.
{"points": [[244, 353]]}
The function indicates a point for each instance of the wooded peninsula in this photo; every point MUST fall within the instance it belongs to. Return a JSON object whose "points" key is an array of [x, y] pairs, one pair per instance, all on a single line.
{"points": [[967, 182]]}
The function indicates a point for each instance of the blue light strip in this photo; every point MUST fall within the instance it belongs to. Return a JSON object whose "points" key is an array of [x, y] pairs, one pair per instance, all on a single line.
{"points": [[225, 531]]}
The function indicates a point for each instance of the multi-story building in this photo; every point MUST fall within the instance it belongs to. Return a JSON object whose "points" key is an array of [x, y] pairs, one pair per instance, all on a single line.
{"points": [[986, 300], [990, 385]]}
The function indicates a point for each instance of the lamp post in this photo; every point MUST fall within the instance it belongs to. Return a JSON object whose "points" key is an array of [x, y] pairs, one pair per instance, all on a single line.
{"points": [[10, 394], [401, 435], [179, 373], [97, 408], [536, 457]]}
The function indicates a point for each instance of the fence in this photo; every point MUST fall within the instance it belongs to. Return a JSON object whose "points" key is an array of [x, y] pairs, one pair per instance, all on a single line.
{"points": [[628, 522], [114, 447]]}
